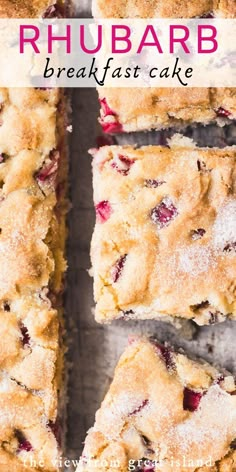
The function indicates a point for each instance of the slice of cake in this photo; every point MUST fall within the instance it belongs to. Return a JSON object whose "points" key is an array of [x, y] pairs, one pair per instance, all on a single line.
{"points": [[164, 240], [33, 206], [163, 412], [164, 9], [132, 109]]}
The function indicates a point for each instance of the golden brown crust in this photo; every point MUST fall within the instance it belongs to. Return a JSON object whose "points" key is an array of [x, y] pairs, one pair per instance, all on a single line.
{"points": [[164, 407], [33, 171], [164, 241], [163, 8], [159, 108], [24, 420], [24, 8], [227, 8], [32, 265]]}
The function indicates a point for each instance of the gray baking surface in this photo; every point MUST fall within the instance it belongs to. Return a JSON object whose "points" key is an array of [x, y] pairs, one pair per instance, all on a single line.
{"points": [[95, 349]]}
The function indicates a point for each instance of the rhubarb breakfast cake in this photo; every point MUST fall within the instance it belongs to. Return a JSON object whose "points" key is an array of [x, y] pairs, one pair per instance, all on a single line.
{"points": [[164, 238], [33, 175], [131, 109], [163, 412]]}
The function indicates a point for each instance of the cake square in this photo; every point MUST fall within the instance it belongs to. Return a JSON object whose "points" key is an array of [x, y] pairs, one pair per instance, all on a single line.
{"points": [[132, 109], [135, 109], [161, 413], [164, 239]]}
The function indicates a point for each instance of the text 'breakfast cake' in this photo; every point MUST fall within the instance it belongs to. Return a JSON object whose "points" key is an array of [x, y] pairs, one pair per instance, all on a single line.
{"points": [[164, 239], [163, 412], [33, 174], [132, 109]]}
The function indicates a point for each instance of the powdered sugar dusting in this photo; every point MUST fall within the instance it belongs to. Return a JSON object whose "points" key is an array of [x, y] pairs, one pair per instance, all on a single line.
{"points": [[195, 260], [213, 423], [4, 383], [117, 412], [224, 230]]}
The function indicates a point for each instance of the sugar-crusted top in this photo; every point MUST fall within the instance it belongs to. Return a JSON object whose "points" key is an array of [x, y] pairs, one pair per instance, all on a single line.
{"points": [[32, 234], [163, 8], [164, 240], [166, 408], [32, 263], [132, 109], [26, 9], [31, 259], [225, 224]]}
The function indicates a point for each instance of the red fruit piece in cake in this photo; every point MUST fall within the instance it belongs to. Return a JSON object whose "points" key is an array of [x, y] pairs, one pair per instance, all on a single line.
{"points": [[118, 268], [197, 233], [109, 120], [209, 14], [23, 443], [55, 427], [103, 211], [223, 113], [24, 335], [139, 408], [49, 170], [122, 164], [230, 247], [3, 157], [54, 11], [165, 352], [154, 183], [191, 399], [164, 213]]}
